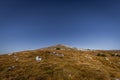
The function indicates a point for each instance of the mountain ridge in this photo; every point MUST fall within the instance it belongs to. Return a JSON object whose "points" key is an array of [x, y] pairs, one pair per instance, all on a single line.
{"points": [[59, 64], [60, 46]]}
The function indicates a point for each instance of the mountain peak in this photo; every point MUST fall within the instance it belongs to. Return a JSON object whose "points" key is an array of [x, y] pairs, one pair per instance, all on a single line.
{"points": [[59, 47]]}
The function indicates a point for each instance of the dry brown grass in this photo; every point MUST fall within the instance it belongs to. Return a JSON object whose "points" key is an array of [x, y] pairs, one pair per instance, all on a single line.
{"points": [[74, 65]]}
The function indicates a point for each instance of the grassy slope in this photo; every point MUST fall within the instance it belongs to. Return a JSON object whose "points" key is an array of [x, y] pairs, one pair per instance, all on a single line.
{"points": [[74, 65]]}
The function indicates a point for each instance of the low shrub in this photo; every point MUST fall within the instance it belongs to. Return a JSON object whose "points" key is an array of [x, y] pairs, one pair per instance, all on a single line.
{"points": [[101, 54]]}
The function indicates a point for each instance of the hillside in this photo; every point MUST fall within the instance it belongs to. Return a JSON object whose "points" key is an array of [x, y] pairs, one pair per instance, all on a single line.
{"points": [[60, 62]]}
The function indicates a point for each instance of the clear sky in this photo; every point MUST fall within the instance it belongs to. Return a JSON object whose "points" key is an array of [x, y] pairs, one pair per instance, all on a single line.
{"points": [[32, 24]]}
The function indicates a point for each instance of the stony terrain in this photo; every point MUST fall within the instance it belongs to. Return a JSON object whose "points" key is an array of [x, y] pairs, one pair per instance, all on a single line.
{"points": [[61, 62]]}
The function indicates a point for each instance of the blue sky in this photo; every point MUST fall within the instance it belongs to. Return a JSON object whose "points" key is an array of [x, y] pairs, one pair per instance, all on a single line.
{"points": [[32, 24]]}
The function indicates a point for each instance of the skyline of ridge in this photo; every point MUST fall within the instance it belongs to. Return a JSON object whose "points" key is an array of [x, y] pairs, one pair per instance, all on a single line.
{"points": [[62, 47]]}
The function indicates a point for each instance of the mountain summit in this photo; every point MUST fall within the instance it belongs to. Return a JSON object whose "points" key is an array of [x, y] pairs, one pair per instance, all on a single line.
{"points": [[59, 47]]}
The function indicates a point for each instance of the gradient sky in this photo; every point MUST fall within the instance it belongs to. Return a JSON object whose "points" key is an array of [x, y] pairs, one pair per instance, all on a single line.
{"points": [[32, 24]]}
